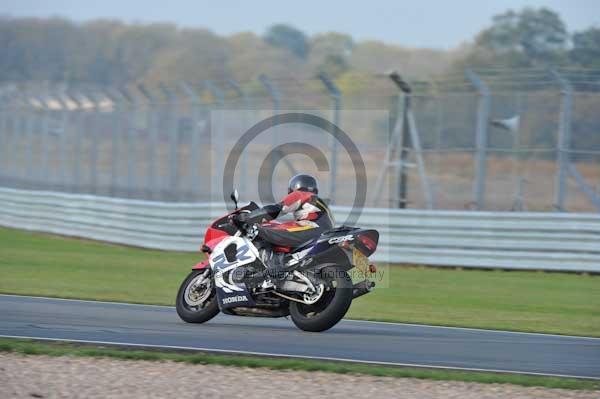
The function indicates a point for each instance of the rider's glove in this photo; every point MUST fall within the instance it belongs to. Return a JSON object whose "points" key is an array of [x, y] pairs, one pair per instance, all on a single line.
{"points": [[239, 220]]}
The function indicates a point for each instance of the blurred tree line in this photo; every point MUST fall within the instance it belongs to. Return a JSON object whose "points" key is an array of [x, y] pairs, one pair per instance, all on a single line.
{"points": [[112, 52]]}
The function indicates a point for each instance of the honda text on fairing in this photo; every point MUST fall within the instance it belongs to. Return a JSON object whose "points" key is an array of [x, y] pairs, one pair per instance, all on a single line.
{"points": [[312, 286]]}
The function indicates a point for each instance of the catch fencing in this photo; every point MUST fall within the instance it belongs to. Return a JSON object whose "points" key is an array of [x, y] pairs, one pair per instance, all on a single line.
{"points": [[515, 240], [495, 140]]}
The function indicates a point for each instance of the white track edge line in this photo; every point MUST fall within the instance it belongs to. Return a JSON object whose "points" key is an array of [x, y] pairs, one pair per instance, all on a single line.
{"points": [[474, 329], [343, 320], [86, 301], [232, 351]]}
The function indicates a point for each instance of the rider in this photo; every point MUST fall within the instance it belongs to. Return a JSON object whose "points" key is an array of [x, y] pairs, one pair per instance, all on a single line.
{"points": [[312, 215]]}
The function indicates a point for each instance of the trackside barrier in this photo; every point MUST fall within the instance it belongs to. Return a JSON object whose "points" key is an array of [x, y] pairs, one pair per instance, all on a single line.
{"points": [[507, 240]]}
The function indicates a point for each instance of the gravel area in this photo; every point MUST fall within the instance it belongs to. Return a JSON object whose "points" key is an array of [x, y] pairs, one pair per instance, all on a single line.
{"points": [[74, 377]]}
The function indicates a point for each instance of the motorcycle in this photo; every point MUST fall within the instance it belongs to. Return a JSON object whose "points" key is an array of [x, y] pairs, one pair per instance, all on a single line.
{"points": [[313, 286]]}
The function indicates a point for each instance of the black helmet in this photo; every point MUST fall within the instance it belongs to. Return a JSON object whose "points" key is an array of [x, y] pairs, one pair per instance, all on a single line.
{"points": [[303, 182]]}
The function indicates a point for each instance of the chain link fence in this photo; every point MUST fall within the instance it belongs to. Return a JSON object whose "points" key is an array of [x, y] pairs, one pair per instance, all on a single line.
{"points": [[512, 140]]}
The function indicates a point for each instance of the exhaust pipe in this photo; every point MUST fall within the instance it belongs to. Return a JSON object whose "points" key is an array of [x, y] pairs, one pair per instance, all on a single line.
{"points": [[362, 288]]}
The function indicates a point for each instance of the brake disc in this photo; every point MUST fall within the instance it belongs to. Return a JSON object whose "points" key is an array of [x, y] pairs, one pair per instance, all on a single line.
{"points": [[193, 296], [311, 298]]}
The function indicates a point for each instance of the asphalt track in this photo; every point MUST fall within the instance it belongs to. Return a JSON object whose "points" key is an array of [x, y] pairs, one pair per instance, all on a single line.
{"points": [[359, 341]]}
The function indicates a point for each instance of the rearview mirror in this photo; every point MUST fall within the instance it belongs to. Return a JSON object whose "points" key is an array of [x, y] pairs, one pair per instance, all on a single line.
{"points": [[235, 197]]}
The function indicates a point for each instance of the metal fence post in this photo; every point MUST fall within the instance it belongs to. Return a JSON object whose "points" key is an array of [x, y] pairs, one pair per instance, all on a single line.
{"points": [[43, 172], [220, 139], [29, 140], [117, 110], [3, 138], [416, 143], [7, 140], [440, 120], [62, 143], [153, 127], [336, 95], [78, 130], [246, 101], [18, 124], [564, 139], [411, 128], [481, 137], [173, 138], [276, 97], [132, 107], [95, 142], [273, 92], [401, 143], [194, 160], [11, 110], [396, 152]]}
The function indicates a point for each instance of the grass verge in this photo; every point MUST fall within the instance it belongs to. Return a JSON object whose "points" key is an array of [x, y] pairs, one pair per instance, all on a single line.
{"points": [[30, 347], [46, 265]]}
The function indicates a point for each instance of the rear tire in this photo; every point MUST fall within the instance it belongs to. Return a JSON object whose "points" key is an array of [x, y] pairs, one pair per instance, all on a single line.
{"points": [[189, 305], [330, 308]]}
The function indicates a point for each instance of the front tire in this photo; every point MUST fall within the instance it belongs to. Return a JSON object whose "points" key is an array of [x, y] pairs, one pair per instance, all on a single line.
{"points": [[196, 299], [330, 308]]}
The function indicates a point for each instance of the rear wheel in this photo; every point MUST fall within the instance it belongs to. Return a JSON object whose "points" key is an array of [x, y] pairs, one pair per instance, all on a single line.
{"points": [[331, 306], [196, 300]]}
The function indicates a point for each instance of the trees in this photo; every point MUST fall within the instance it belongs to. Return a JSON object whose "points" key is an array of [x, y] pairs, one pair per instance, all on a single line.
{"points": [[378, 57], [36, 49], [330, 53], [193, 54], [288, 37], [250, 56], [111, 52], [103, 51], [529, 37], [586, 48]]}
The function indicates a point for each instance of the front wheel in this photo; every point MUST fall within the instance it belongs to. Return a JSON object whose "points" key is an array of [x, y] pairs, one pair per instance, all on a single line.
{"points": [[196, 300], [331, 306]]}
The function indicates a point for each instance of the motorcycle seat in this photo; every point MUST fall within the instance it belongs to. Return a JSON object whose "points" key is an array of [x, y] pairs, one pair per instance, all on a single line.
{"points": [[284, 240]]}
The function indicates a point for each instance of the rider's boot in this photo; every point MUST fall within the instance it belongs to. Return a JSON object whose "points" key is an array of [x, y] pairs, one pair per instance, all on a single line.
{"points": [[275, 268]]}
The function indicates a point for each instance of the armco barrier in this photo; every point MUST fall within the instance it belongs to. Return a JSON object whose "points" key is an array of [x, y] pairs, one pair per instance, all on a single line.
{"points": [[510, 240]]}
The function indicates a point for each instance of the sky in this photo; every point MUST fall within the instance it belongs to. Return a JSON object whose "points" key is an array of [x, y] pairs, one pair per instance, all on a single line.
{"points": [[420, 23]]}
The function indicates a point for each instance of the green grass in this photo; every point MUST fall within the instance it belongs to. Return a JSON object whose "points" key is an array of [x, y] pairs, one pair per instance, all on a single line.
{"points": [[44, 265], [29, 347], [507, 300]]}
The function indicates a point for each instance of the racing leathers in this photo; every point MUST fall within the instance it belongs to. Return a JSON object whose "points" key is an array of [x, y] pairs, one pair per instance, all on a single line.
{"points": [[312, 217]]}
